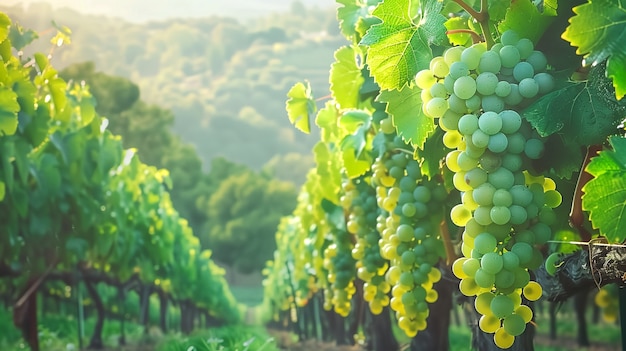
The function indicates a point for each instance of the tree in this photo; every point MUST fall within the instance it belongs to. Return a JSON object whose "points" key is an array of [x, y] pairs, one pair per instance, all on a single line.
{"points": [[243, 213]]}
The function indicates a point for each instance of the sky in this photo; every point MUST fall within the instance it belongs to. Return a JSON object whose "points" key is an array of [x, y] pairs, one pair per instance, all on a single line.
{"points": [[145, 10]]}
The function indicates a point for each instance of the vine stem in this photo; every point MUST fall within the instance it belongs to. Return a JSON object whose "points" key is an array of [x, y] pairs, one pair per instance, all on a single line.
{"points": [[576, 217], [447, 243], [482, 17], [475, 37]]}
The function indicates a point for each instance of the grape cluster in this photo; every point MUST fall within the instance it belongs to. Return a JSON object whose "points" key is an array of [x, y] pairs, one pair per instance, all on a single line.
{"points": [[505, 210], [409, 228], [371, 267], [341, 266]]}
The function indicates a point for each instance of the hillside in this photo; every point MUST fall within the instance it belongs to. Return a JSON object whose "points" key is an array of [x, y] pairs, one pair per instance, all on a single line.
{"points": [[225, 80]]}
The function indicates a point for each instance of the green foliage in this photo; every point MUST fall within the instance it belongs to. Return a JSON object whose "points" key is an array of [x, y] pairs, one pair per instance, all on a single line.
{"points": [[405, 107], [583, 113], [400, 45], [300, 106], [605, 195], [598, 29], [225, 338], [345, 76], [523, 17]]}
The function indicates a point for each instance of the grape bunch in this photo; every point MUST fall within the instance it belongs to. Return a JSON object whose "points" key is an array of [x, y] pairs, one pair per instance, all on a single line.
{"points": [[340, 265], [409, 227], [371, 267], [505, 211]]}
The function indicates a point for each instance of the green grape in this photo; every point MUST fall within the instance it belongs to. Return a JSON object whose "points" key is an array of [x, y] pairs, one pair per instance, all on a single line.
{"points": [[502, 306], [514, 97], [438, 90], [501, 178], [489, 62], [425, 79], [500, 214], [545, 82], [474, 103], [483, 278], [468, 124], [436, 107], [498, 143], [483, 303], [509, 55], [522, 71], [511, 121], [486, 83], [483, 194], [533, 149], [492, 103], [491, 263], [538, 60], [528, 88], [471, 57], [509, 37], [490, 123], [503, 89], [480, 139], [439, 67], [458, 69], [525, 48]]}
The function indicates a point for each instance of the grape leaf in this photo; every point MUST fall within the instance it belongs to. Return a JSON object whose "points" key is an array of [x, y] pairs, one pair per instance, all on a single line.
{"points": [[9, 108], [497, 9], [300, 106], [328, 168], [399, 46], [350, 13], [432, 154], [584, 113], [605, 195], [405, 108], [599, 32], [5, 24], [20, 37], [354, 165], [524, 18], [327, 121], [458, 38], [346, 77]]}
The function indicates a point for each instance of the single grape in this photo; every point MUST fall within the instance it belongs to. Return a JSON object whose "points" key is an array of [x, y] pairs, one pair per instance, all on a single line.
{"points": [[498, 143], [486, 83], [523, 70], [509, 55], [545, 81], [514, 98], [492, 103], [490, 123], [538, 60], [489, 62], [465, 87], [425, 79], [471, 57], [503, 89], [458, 69], [509, 37], [525, 48], [528, 88]]}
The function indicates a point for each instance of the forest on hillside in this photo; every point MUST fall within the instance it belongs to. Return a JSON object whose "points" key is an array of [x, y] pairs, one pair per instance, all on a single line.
{"points": [[220, 78]]}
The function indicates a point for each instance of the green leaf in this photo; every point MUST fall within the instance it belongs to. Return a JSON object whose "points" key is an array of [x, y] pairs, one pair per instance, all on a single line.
{"points": [[524, 18], [300, 106], [405, 108], [497, 9], [355, 166], [8, 111], [350, 13], [346, 77], [353, 119], [432, 153], [5, 24], [399, 47], [326, 119], [328, 168], [583, 113], [599, 32], [560, 158], [462, 39], [20, 38], [334, 214], [605, 195]]}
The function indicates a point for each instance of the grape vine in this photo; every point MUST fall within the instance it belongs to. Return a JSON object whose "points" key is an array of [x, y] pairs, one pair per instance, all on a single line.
{"points": [[450, 117]]}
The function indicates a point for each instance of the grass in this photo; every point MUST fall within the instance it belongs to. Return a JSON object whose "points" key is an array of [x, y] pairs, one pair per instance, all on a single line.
{"points": [[231, 338]]}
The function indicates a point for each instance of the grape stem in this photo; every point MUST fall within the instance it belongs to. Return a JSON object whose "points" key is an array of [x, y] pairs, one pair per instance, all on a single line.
{"points": [[475, 37], [576, 218], [482, 17], [447, 243]]}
